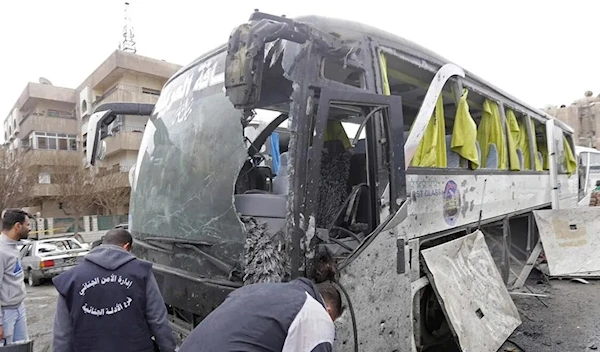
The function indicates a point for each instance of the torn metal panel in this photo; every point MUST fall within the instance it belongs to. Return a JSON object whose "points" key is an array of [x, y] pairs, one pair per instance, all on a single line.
{"points": [[570, 240], [471, 291], [381, 299]]}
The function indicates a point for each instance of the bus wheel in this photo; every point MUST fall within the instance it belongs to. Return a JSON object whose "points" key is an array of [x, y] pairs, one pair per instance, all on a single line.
{"points": [[434, 326]]}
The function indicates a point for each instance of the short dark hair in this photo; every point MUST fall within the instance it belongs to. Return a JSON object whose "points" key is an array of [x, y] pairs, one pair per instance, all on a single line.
{"points": [[332, 296], [117, 237], [12, 217], [598, 183]]}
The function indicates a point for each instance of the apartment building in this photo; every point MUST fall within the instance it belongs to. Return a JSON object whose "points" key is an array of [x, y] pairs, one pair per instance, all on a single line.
{"points": [[43, 125], [583, 115], [48, 124], [122, 77]]}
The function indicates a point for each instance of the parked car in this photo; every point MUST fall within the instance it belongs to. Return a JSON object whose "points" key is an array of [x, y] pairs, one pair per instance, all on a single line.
{"points": [[44, 259], [23, 243]]}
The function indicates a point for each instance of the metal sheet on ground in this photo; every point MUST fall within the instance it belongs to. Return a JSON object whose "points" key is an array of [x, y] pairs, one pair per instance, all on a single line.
{"points": [[475, 300], [571, 240]]}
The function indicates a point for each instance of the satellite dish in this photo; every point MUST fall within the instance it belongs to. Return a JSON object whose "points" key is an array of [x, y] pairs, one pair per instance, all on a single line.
{"points": [[45, 81]]}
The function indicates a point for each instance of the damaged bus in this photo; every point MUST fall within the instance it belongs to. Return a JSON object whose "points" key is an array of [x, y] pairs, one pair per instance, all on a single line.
{"points": [[329, 149]]}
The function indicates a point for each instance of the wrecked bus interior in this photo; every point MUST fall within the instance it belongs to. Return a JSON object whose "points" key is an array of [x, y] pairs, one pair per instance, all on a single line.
{"points": [[328, 149]]}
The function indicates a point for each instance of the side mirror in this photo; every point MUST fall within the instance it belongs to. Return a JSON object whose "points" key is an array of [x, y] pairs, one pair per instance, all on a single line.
{"points": [[104, 115]]}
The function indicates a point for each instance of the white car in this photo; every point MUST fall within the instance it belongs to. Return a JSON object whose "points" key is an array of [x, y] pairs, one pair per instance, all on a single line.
{"points": [[44, 259]]}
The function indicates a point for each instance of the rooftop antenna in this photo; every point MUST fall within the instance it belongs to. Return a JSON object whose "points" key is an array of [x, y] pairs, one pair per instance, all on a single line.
{"points": [[128, 44]]}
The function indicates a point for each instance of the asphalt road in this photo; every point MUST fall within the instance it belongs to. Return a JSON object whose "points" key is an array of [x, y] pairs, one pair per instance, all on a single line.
{"points": [[567, 320], [41, 305]]}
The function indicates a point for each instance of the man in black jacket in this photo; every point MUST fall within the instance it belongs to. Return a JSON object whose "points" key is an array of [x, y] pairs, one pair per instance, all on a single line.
{"points": [[296, 316], [110, 302]]}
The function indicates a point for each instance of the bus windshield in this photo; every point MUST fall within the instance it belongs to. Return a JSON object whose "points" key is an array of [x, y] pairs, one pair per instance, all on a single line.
{"points": [[191, 153]]}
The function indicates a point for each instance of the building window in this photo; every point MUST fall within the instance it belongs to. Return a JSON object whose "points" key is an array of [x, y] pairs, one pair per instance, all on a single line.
{"points": [[42, 143], [56, 141], [60, 114], [44, 178], [150, 91]]}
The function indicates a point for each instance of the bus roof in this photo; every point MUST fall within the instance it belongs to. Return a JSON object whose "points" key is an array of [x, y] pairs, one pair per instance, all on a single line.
{"points": [[351, 30], [580, 149]]}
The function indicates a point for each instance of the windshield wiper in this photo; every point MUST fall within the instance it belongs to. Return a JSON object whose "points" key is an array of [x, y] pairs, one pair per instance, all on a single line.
{"points": [[221, 265], [178, 240], [231, 271]]}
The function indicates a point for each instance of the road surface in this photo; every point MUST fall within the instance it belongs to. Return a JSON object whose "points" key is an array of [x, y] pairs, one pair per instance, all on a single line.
{"points": [[41, 305], [569, 323]]}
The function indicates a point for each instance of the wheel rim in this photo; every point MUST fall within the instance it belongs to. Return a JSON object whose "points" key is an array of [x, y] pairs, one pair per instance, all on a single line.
{"points": [[30, 279]]}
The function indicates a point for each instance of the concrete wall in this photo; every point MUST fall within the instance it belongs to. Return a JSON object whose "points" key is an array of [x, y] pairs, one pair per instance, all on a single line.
{"points": [[583, 115]]}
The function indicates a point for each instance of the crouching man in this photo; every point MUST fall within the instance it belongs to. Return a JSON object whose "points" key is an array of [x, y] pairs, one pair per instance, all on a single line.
{"points": [[296, 316], [110, 302]]}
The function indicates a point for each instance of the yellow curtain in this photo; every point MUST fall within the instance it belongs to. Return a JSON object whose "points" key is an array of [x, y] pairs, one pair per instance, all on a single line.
{"points": [[431, 151], [538, 161], [334, 130], [464, 133], [543, 148], [571, 162], [384, 75], [523, 144], [514, 132], [490, 131]]}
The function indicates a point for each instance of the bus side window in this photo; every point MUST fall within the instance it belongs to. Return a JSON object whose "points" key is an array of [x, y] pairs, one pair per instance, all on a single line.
{"points": [[541, 144], [402, 78], [519, 146], [568, 161]]}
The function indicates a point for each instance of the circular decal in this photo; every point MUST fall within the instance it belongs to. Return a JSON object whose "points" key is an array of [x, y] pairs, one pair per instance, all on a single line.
{"points": [[451, 202]]}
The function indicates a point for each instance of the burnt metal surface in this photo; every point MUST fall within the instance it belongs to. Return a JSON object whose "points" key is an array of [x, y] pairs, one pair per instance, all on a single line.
{"points": [[472, 293], [381, 299], [570, 240], [245, 55], [188, 292]]}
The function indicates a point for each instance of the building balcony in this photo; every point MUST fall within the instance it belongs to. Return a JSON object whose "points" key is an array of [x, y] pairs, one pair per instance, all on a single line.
{"points": [[35, 92], [125, 139], [41, 190], [125, 93], [40, 157]]}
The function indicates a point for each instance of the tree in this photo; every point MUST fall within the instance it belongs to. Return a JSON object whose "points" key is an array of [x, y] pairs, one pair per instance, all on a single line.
{"points": [[76, 191], [16, 178], [113, 191]]}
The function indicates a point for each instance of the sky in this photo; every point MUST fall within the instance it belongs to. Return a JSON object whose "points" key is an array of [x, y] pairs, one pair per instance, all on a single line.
{"points": [[542, 52]]}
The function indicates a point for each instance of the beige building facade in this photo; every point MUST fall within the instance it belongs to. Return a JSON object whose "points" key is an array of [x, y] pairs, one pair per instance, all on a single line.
{"points": [[122, 77], [583, 115]]}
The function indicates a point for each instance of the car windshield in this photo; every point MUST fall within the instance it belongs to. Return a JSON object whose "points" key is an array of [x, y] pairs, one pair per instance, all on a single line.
{"points": [[57, 246], [191, 153]]}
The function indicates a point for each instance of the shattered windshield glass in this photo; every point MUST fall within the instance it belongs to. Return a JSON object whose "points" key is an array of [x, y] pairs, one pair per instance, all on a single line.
{"points": [[191, 154]]}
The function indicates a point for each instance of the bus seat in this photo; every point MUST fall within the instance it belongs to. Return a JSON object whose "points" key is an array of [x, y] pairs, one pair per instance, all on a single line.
{"points": [[492, 159], [453, 157], [521, 158], [541, 158], [269, 208], [333, 185], [281, 183]]}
